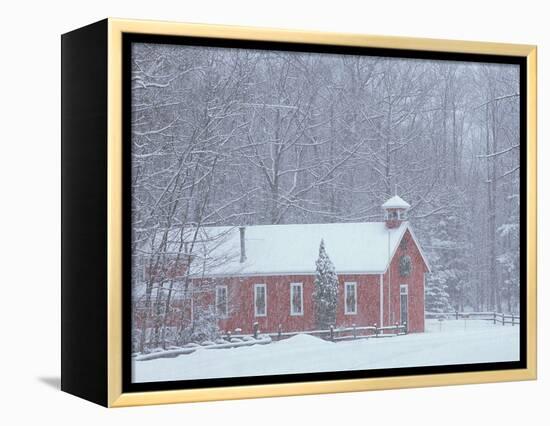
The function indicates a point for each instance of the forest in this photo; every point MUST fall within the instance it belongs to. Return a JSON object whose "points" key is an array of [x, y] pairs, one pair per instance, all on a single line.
{"points": [[233, 136]]}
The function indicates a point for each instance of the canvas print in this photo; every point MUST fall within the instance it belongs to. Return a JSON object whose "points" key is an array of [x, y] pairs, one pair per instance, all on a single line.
{"points": [[302, 212]]}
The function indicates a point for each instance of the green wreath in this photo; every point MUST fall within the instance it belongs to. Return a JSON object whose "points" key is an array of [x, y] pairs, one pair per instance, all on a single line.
{"points": [[405, 266]]}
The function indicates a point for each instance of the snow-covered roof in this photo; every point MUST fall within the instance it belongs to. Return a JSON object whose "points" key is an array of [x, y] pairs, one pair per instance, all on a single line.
{"points": [[363, 247], [396, 202]]}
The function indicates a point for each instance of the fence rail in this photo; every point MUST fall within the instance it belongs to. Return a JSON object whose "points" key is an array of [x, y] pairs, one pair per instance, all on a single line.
{"points": [[495, 317], [332, 333]]}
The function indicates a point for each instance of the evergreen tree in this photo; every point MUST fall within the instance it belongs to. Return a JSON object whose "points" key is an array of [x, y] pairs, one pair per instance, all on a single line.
{"points": [[325, 294], [437, 297], [447, 284], [453, 260]]}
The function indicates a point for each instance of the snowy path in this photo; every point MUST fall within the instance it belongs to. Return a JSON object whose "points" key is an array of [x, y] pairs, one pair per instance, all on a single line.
{"points": [[458, 342]]}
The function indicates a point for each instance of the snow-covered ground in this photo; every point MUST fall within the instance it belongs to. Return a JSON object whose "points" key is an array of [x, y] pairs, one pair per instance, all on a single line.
{"points": [[448, 342]]}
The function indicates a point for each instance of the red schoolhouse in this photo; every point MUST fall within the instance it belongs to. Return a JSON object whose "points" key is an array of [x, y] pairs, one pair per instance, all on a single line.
{"points": [[265, 274]]}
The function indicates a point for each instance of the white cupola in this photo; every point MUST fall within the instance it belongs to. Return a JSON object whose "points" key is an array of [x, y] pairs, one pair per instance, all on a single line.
{"points": [[395, 211]]}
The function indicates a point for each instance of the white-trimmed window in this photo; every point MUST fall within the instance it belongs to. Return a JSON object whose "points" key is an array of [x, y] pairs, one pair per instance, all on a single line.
{"points": [[350, 298], [221, 301], [260, 300], [296, 299]]}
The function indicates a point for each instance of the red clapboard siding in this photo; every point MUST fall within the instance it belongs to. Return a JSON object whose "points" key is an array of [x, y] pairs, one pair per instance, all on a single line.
{"points": [[368, 300]]}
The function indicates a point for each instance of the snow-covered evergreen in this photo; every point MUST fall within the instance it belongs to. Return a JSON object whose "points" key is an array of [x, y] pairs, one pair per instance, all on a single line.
{"points": [[326, 290], [446, 284], [437, 297]]}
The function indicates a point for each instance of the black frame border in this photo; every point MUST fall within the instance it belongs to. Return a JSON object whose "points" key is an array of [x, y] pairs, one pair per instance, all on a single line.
{"points": [[128, 386]]}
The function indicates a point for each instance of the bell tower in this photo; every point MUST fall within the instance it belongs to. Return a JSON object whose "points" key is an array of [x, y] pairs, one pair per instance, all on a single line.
{"points": [[395, 211]]}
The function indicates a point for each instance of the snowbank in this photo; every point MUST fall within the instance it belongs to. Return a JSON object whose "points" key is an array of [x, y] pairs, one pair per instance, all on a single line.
{"points": [[304, 340], [193, 347]]}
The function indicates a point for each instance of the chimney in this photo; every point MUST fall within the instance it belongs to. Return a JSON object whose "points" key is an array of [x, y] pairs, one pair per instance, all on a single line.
{"points": [[243, 251]]}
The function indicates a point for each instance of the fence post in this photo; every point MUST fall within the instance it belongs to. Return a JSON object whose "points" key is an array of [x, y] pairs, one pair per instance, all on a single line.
{"points": [[396, 328], [456, 314], [279, 332], [354, 331], [494, 318], [256, 326], [376, 329], [503, 319], [513, 320], [406, 330], [332, 333]]}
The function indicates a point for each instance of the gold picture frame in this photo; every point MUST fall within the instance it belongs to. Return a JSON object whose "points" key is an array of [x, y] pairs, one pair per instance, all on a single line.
{"points": [[115, 29]]}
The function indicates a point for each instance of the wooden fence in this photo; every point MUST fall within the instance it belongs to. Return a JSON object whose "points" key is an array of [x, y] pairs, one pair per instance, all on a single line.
{"points": [[332, 333], [235, 340], [495, 317]]}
